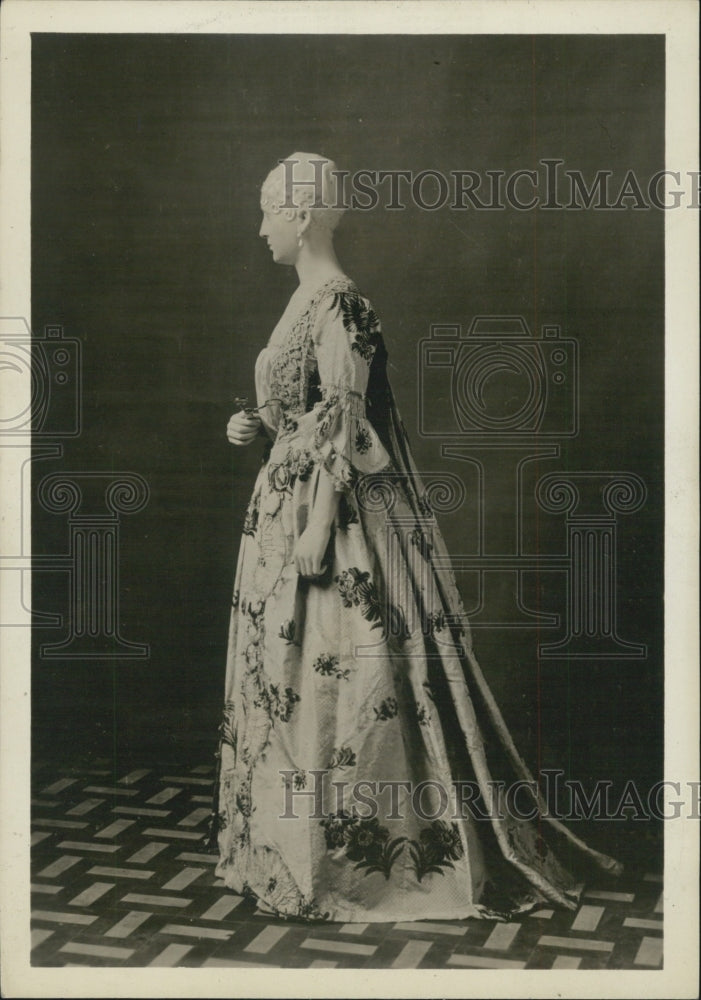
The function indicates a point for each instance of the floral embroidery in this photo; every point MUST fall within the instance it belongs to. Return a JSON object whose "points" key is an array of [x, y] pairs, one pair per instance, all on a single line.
{"points": [[334, 828], [294, 375], [292, 363], [252, 654], [275, 703], [296, 465], [275, 886], [366, 842], [243, 801], [361, 321], [363, 441], [342, 757], [254, 610], [356, 588], [425, 506], [252, 514], [298, 779], [287, 632], [436, 849], [325, 416], [421, 542], [528, 844], [307, 909], [369, 845], [422, 715], [235, 600], [288, 425], [434, 622], [345, 477], [227, 729], [327, 666], [301, 463], [313, 384], [389, 709], [282, 705]]}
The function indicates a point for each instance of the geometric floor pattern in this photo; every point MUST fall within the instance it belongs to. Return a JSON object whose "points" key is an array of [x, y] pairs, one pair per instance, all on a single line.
{"points": [[120, 877]]}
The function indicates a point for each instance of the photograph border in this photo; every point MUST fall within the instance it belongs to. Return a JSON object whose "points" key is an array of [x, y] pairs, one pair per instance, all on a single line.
{"points": [[678, 21]]}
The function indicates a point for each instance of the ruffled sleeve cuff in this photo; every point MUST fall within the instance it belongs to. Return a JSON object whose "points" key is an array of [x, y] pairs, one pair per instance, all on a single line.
{"points": [[344, 439]]}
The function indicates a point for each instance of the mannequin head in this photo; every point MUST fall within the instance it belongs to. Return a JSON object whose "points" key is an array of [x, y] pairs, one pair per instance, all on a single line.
{"points": [[291, 224]]}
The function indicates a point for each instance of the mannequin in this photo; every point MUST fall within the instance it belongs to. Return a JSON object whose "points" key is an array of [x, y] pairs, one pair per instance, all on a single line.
{"points": [[350, 662]]}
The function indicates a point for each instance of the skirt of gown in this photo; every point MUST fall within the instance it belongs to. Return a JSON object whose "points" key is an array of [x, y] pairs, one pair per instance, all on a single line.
{"points": [[354, 783], [354, 780]]}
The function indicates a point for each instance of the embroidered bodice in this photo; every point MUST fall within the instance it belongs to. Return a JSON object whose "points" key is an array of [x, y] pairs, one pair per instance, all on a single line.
{"points": [[287, 371], [311, 384]]}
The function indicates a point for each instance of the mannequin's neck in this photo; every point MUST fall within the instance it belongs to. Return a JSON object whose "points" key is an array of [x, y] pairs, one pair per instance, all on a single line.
{"points": [[315, 265]]}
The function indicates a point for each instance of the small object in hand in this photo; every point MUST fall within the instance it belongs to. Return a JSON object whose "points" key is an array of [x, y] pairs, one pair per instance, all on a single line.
{"points": [[242, 402]]}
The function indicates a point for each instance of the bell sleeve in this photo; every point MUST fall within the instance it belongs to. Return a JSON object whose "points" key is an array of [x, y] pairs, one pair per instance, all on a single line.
{"points": [[346, 337]]}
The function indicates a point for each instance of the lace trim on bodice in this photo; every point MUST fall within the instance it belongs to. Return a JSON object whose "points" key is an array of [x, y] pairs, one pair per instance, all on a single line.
{"points": [[293, 367]]}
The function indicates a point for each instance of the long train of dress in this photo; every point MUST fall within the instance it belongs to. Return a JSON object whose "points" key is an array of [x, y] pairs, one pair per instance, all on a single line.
{"points": [[354, 783]]}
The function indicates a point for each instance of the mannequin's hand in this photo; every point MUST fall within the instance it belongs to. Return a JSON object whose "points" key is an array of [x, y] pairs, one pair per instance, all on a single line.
{"points": [[243, 428], [309, 550]]}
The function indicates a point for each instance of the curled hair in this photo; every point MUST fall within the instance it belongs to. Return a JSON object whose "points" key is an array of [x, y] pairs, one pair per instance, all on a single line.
{"points": [[301, 181]]}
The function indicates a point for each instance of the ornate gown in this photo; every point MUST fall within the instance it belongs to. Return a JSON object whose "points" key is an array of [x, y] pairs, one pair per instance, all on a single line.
{"points": [[354, 782]]}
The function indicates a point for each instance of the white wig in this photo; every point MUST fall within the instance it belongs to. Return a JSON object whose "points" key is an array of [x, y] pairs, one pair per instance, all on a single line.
{"points": [[303, 181]]}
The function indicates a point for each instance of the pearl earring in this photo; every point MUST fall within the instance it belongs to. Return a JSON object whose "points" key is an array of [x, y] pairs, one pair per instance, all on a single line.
{"points": [[300, 240]]}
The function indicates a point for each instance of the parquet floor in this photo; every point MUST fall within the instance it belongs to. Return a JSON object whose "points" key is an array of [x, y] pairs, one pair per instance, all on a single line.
{"points": [[120, 877]]}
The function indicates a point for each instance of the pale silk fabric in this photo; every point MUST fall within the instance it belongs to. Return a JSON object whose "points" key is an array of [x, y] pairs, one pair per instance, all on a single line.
{"points": [[366, 674]]}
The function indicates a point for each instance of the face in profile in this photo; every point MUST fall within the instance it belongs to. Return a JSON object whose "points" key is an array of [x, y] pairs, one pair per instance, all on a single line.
{"points": [[280, 233]]}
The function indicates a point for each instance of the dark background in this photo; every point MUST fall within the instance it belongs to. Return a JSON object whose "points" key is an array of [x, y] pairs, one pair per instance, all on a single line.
{"points": [[147, 157]]}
